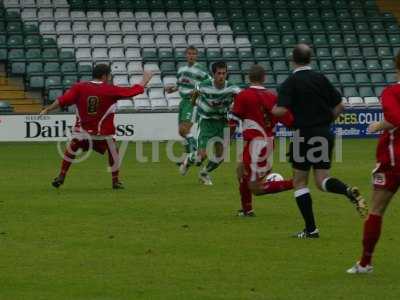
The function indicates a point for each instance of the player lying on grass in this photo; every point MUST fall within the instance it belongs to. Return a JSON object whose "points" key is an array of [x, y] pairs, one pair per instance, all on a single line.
{"points": [[252, 108], [213, 98], [386, 176], [95, 102], [188, 78]]}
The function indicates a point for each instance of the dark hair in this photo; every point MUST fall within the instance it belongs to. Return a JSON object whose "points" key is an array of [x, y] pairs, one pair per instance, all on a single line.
{"points": [[100, 70], [191, 47], [302, 54], [257, 74], [398, 61], [218, 65]]}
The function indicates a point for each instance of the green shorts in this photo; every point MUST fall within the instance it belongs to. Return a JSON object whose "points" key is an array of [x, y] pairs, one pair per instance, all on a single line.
{"points": [[208, 129], [185, 112]]}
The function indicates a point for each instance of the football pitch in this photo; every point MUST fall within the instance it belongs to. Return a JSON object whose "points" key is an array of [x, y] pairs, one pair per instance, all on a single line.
{"points": [[167, 237]]}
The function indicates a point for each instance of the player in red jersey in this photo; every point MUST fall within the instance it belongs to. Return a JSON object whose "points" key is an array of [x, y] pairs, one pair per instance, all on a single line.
{"points": [[386, 176], [252, 107], [95, 102]]}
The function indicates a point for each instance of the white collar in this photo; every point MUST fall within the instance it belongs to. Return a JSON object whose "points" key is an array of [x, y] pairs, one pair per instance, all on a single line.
{"points": [[258, 87], [96, 82], [304, 68]]}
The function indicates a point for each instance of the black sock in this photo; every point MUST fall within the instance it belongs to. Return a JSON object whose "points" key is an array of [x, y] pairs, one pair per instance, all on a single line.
{"points": [[333, 185], [304, 202]]}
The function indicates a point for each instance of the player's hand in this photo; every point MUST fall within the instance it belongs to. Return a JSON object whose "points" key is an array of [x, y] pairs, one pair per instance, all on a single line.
{"points": [[44, 111], [195, 94], [147, 75], [170, 89], [374, 127]]}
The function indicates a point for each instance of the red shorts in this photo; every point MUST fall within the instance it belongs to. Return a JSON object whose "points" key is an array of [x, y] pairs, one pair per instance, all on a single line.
{"points": [[257, 158], [386, 179], [100, 146]]}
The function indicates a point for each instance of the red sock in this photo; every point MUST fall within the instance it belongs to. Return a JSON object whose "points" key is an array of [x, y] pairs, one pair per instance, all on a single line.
{"points": [[69, 156], [272, 187], [245, 195], [113, 158], [372, 231]]}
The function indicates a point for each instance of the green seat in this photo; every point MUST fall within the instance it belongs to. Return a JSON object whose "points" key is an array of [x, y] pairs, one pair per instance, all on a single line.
{"points": [[357, 65], [369, 52], [201, 4], [128, 5], [320, 39], [165, 54], [50, 54], [301, 27], [251, 15], [16, 54], [180, 54], [377, 78], [185, 4], [316, 27], [3, 54], [69, 80], [66, 55], [390, 77], [53, 94], [323, 52], [258, 40], [213, 53], [297, 14], [276, 53], [68, 67], [346, 26], [34, 68], [266, 15], [366, 91], [31, 29], [255, 27], [365, 39], [3, 41], [280, 78], [377, 27], [85, 78], [338, 52], [350, 91], [229, 53], [215, 3], [270, 79], [343, 14], [304, 39], [350, 39], [346, 78], [285, 27], [93, 4], [32, 41], [49, 43], [36, 82], [270, 28], [332, 77], [335, 39], [33, 54], [249, 3], [328, 14], [388, 65], [150, 54], [235, 78], [236, 14], [331, 26], [12, 16], [260, 53], [361, 27], [373, 65], [15, 41], [234, 67], [353, 52], [2, 27], [378, 91], [245, 54], [221, 15], [288, 39], [14, 27], [362, 78], [239, 27], [394, 39], [358, 14], [18, 68], [326, 65], [245, 66], [279, 66], [313, 15], [168, 67], [342, 66], [273, 40], [52, 81], [52, 68], [385, 52], [265, 64], [282, 14], [393, 27]]}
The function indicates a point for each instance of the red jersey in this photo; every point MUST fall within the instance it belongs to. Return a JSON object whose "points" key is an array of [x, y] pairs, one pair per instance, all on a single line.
{"points": [[96, 104], [253, 107], [388, 150]]}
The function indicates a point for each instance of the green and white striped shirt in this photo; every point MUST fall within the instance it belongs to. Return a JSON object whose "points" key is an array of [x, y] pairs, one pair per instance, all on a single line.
{"points": [[214, 103], [189, 77]]}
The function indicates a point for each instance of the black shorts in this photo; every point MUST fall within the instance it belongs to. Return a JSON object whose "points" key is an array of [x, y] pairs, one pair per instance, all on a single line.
{"points": [[312, 147]]}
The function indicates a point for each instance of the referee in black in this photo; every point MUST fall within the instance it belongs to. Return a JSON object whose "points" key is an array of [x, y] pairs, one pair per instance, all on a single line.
{"points": [[315, 105]]}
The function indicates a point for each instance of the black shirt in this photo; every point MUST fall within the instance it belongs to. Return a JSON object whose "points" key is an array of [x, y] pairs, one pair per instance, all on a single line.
{"points": [[311, 98]]}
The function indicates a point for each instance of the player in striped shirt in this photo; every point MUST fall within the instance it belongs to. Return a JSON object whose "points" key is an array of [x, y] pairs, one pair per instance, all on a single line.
{"points": [[187, 78], [213, 98]]}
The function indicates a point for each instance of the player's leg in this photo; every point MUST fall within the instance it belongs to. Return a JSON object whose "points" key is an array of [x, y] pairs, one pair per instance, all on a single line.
{"points": [[372, 230], [186, 115], [68, 158], [114, 163], [246, 198]]}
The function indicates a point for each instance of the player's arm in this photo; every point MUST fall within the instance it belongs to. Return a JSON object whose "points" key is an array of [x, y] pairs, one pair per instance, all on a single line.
{"points": [[129, 92], [391, 113], [338, 110], [378, 126], [236, 113], [195, 94], [284, 100], [69, 98]]}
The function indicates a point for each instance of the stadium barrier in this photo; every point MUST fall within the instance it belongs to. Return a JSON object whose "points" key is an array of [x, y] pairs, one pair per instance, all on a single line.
{"points": [[152, 126]]}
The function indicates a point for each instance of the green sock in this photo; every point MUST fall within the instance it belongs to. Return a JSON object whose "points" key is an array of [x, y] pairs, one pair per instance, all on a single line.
{"points": [[190, 143], [211, 166]]}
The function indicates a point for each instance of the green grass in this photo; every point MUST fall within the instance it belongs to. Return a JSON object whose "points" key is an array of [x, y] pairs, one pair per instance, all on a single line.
{"points": [[166, 237]]}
